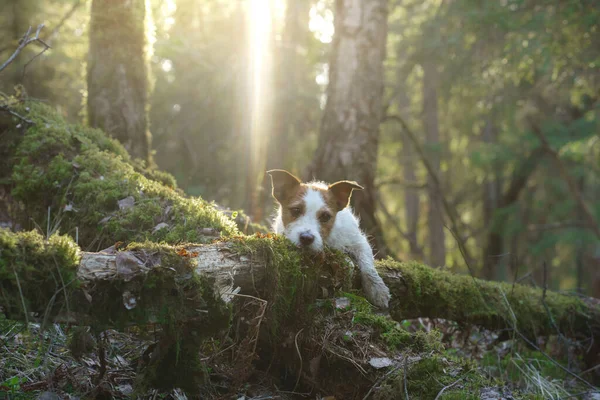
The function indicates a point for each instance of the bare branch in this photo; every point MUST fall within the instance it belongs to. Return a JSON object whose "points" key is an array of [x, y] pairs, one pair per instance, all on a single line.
{"points": [[401, 182], [575, 192], [24, 42], [65, 18], [15, 114], [556, 225], [396, 224]]}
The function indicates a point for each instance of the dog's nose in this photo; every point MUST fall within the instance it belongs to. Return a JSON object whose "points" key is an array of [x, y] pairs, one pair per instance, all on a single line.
{"points": [[306, 238]]}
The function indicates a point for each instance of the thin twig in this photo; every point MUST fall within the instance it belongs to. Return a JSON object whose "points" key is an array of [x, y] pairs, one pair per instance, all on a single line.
{"points": [[396, 223], [15, 114], [591, 369], [299, 355], [381, 380], [405, 383], [263, 309], [447, 387], [24, 42], [22, 297], [401, 182]]}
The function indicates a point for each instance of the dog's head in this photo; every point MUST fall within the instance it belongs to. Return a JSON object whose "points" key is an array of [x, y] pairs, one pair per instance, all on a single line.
{"points": [[308, 210]]}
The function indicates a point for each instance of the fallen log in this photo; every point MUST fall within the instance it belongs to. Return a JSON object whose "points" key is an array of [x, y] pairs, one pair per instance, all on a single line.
{"points": [[186, 290], [51, 280], [421, 291], [256, 266]]}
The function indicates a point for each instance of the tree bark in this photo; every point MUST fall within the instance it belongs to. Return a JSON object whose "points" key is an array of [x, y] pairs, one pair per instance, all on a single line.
{"points": [[435, 214], [117, 75], [349, 136], [491, 196], [407, 159], [495, 242]]}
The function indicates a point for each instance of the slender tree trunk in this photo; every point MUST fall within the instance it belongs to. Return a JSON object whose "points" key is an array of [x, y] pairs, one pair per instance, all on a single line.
{"points": [[118, 73], [411, 200], [349, 134], [435, 214], [495, 242], [411, 195], [492, 191]]}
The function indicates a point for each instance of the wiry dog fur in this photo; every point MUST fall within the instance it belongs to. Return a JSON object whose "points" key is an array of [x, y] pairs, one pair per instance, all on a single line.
{"points": [[313, 215]]}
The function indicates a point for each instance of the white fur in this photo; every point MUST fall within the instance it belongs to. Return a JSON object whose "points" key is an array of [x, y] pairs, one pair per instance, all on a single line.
{"points": [[345, 235]]}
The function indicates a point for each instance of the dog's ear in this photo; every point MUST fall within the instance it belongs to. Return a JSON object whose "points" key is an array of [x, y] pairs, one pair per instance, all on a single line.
{"points": [[342, 191], [284, 184]]}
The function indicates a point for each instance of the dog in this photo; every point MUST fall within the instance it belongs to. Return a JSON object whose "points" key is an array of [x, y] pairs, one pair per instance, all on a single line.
{"points": [[313, 215]]}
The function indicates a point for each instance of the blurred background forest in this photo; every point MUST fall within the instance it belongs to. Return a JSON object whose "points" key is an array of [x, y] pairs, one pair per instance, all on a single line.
{"points": [[473, 125]]}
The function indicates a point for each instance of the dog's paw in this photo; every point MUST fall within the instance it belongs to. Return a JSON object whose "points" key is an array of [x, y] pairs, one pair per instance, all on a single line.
{"points": [[375, 290]]}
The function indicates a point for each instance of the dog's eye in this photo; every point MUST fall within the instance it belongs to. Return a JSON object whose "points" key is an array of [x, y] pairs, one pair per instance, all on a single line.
{"points": [[295, 211], [325, 217]]}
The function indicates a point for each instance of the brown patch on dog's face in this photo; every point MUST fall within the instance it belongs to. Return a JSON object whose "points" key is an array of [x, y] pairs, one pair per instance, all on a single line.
{"points": [[326, 214], [293, 207]]}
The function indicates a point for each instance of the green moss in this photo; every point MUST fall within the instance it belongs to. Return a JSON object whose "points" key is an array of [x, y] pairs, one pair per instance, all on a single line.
{"points": [[512, 365], [390, 331], [83, 175], [427, 376], [440, 294], [244, 223], [295, 279], [36, 274]]}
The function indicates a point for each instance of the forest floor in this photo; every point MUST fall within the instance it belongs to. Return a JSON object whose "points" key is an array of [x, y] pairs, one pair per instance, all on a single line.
{"points": [[46, 365]]}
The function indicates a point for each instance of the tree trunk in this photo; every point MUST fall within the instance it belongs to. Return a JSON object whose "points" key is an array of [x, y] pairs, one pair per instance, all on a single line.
{"points": [[411, 195], [117, 75], [349, 134], [495, 241], [435, 214], [491, 194]]}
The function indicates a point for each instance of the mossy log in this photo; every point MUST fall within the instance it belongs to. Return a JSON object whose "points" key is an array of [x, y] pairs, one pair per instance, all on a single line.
{"points": [[59, 177], [155, 283], [421, 291], [135, 285]]}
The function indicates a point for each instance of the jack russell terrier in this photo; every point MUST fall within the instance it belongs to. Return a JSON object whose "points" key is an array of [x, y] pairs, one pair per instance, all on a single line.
{"points": [[313, 215]]}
